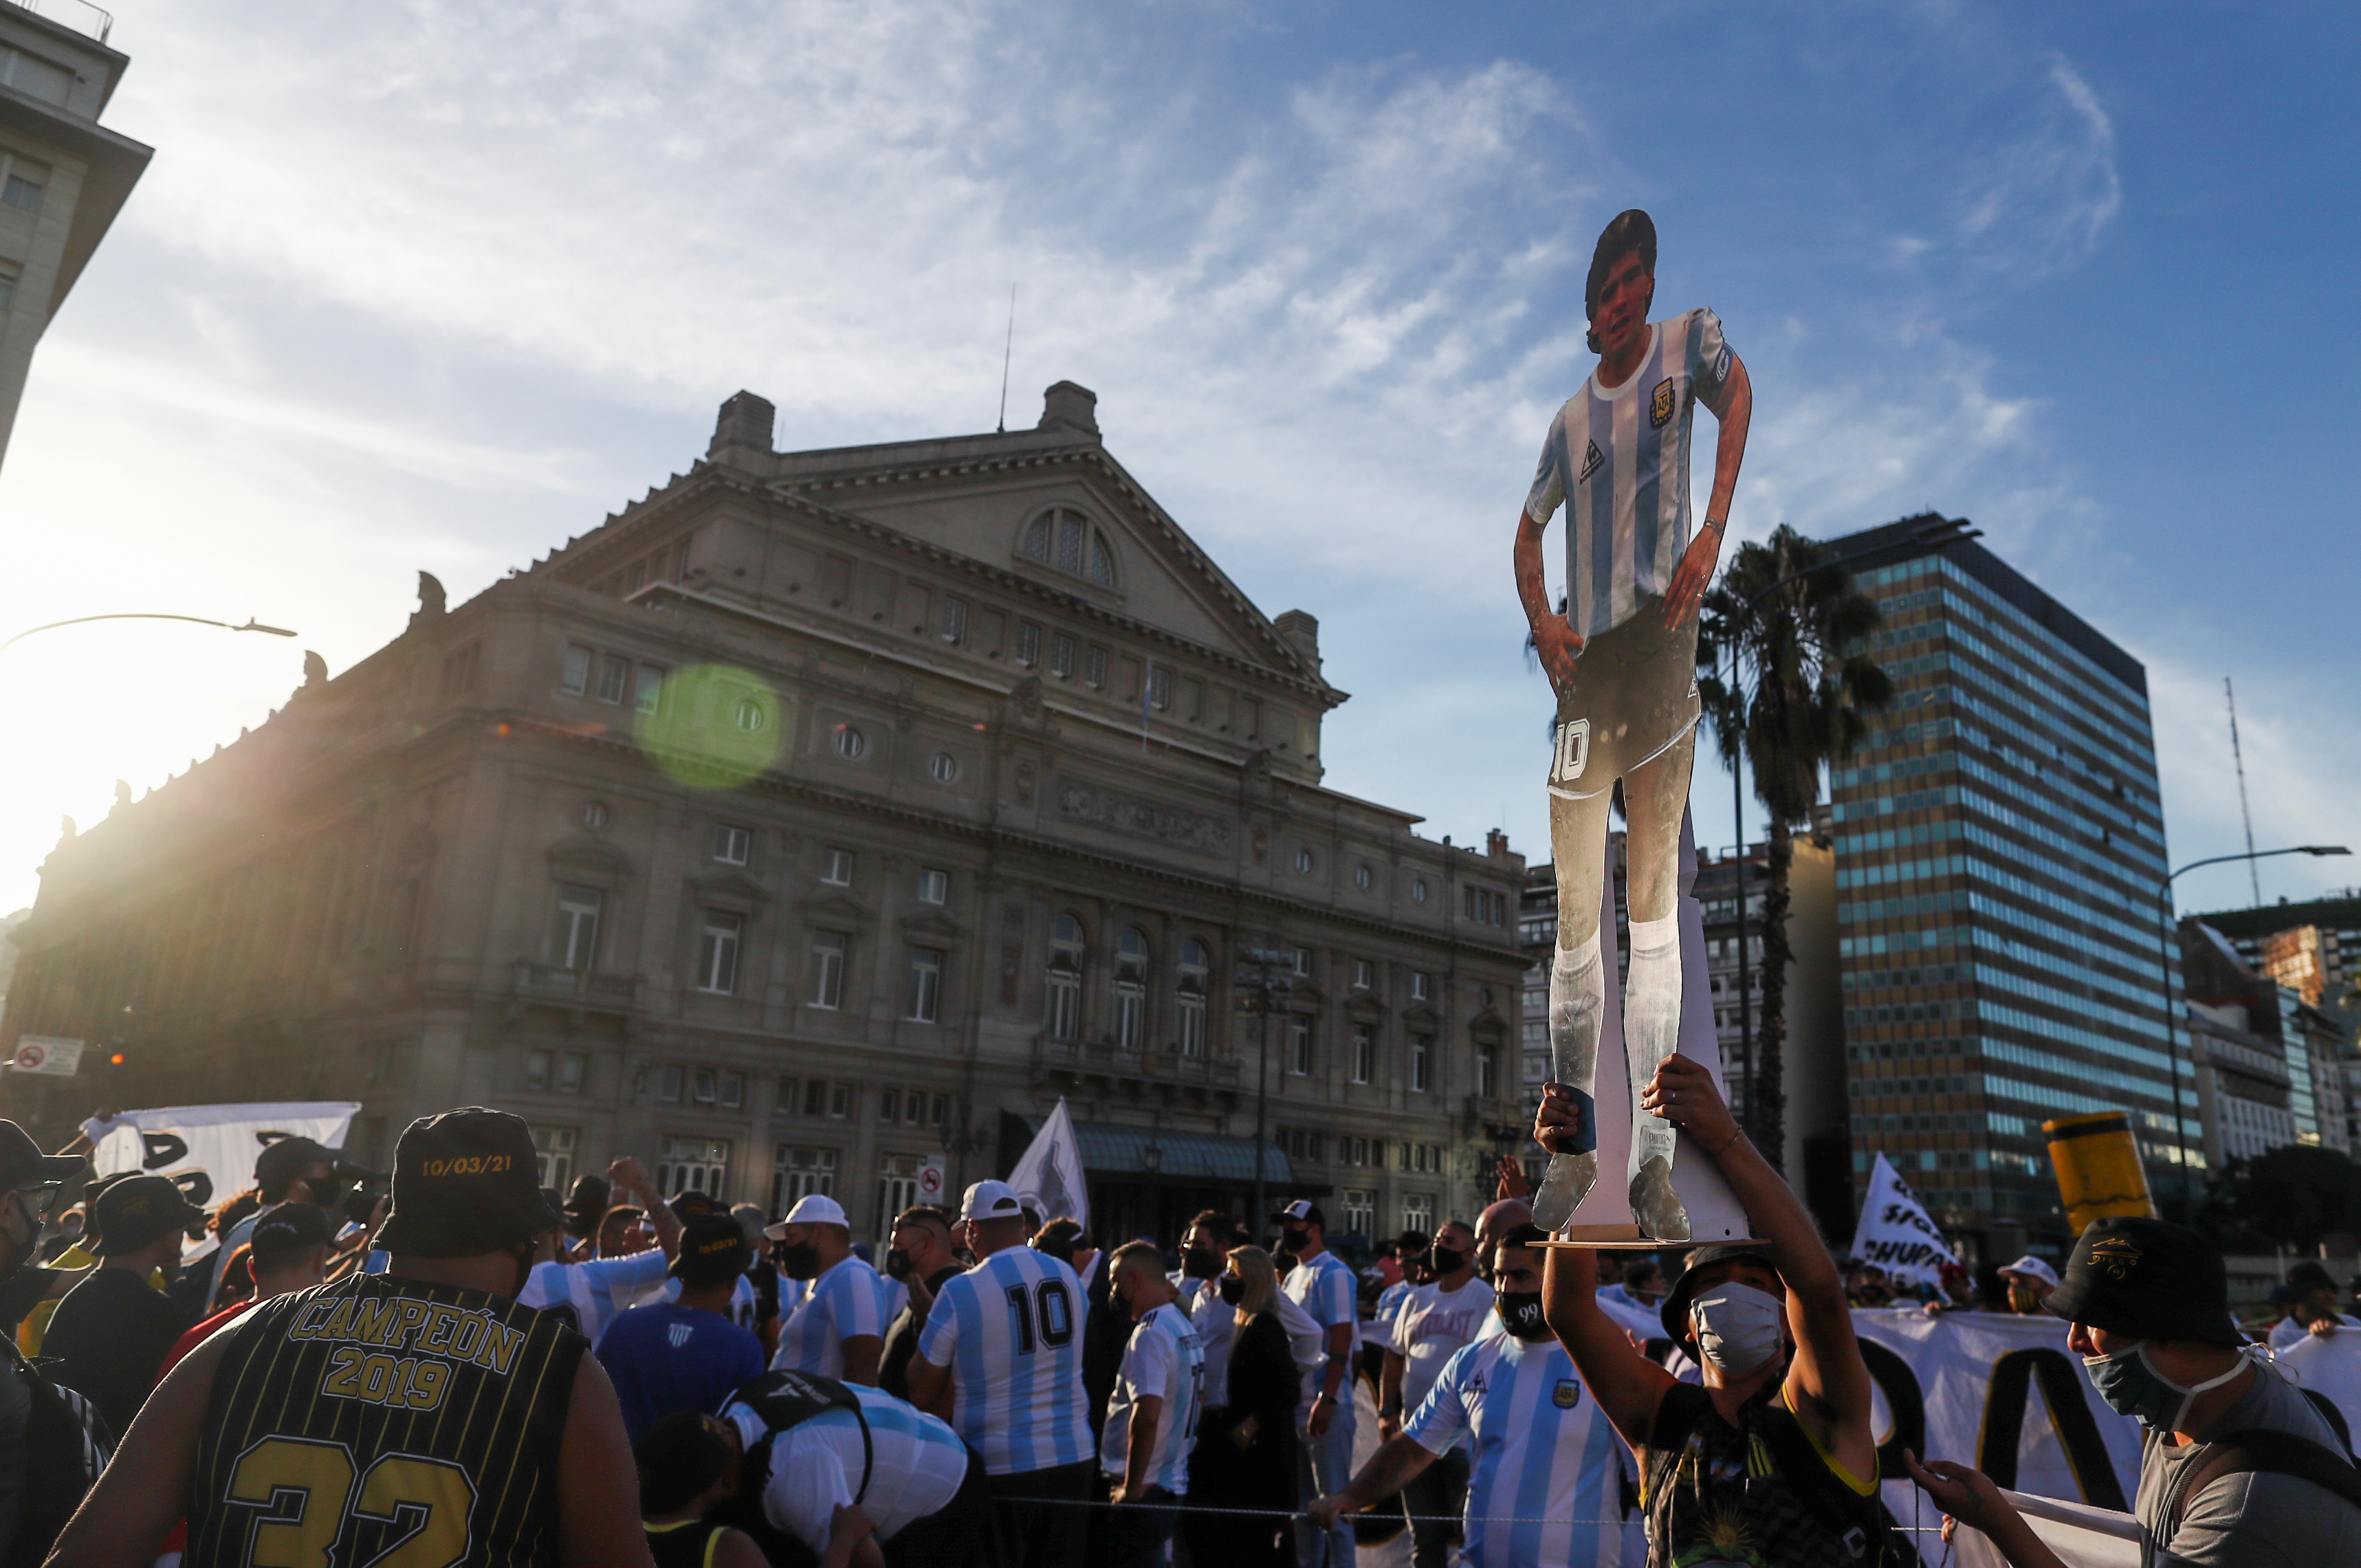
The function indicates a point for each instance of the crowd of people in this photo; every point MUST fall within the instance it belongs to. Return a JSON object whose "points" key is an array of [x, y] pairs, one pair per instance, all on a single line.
{"points": [[472, 1369]]}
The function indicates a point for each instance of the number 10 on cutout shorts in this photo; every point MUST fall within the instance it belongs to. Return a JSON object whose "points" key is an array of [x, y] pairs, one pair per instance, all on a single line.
{"points": [[1634, 695]]}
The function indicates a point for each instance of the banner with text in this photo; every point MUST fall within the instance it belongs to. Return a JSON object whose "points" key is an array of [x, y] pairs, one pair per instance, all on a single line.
{"points": [[1895, 1232], [209, 1149]]}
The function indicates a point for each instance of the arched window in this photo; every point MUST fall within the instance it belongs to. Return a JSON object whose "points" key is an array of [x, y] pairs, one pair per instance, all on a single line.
{"points": [[1067, 539], [1196, 979], [1130, 990], [1065, 1007]]}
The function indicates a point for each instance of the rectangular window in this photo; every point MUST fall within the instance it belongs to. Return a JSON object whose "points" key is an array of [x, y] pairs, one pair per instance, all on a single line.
{"points": [[647, 693], [897, 1188], [954, 619], [939, 1112], [537, 1066], [693, 1164], [1486, 1075], [839, 1102], [1417, 1213], [575, 678], [574, 938], [673, 1085], [1365, 1052], [1418, 986], [1095, 665], [934, 886], [553, 1155], [1358, 1210], [1422, 1063], [1029, 644], [798, 1172], [914, 1108], [926, 984], [1065, 1005], [1299, 1046], [731, 845], [705, 1085], [1061, 655], [889, 1105], [1159, 687], [1192, 1025], [1365, 975], [1304, 961], [613, 676], [717, 954], [836, 867], [816, 1098], [826, 970], [19, 192], [573, 1072]]}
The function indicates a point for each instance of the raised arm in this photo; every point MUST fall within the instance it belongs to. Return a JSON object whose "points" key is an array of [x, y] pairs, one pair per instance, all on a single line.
{"points": [[1829, 1384], [628, 1175], [1627, 1385]]}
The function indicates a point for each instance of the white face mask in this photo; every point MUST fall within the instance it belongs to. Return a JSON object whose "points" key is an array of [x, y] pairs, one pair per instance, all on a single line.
{"points": [[1737, 1327]]}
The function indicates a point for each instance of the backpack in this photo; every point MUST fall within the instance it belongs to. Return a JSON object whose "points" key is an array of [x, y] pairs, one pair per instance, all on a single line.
{"points": [[785, 1400], [2241, 1452], [67, 1445]]}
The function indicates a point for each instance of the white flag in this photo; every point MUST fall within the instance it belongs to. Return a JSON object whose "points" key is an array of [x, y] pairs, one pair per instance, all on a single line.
{"points": [[1049, 1175], [1895, 1232], [209, 1150]]}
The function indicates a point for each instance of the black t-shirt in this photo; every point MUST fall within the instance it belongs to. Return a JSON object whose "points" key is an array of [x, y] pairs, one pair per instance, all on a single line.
{"points": [[21, 1292], [902, 1338], [109, 1336]]}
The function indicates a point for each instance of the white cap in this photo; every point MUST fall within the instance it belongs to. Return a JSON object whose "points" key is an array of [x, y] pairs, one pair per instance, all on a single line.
{"points": [[991, 1200], [2032, 1267], [811, 1209]]}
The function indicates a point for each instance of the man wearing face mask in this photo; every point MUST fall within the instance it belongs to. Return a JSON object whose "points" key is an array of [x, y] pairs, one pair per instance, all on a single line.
{"points": [[1548, 1475], [288, 1170], [496, 1439], [1775, 1448], [1435, 1320], [1330, 1296], [2237, 1467], [919, 1254], [840, 1330], [1152, 1420], [2030, 1281]]}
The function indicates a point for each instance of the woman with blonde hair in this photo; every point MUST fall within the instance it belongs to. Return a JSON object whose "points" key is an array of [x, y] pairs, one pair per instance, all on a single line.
{"points": [[1245, 1440]]}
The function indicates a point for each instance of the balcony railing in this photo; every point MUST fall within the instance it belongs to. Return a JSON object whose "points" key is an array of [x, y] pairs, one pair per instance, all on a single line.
{"points": [[1104, 1058], [580, 988], [79, 15]]}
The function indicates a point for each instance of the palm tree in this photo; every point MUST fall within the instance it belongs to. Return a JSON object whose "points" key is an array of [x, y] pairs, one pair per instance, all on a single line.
{"points": [[1804, 691]]}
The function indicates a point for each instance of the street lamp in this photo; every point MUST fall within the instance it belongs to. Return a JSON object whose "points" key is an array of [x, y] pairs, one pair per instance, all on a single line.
{"points": [[1268, 974], [252, 624], [1939, 533], [1151, 1159], [2164, 966]]}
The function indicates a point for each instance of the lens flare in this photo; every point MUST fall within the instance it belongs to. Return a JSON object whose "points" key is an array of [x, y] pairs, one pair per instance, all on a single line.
{"points": [[714, 725]]}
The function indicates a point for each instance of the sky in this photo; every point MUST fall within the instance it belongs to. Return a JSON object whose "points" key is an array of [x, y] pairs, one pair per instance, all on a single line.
{"points": [[431, 286]]}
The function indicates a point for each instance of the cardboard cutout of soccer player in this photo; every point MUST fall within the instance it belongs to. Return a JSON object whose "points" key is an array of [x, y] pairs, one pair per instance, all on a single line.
{"points": [[1622, 660]]}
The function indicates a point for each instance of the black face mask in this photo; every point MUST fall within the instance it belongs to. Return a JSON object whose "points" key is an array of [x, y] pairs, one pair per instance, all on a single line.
{"points": [[798, 1260], [1443, 1260], [328, 1192], [1295, 1238], [1200, 1263], [1521, 1313], [1230, 1288], [898, 1263]]}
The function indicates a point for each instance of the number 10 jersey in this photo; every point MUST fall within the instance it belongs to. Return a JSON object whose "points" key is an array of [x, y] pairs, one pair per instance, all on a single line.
{"points": [[381, 1419], [1010, 1330]]}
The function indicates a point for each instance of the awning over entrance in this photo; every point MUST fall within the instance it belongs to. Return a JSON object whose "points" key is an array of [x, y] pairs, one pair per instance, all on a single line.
{"points": [[1113, 1149]]}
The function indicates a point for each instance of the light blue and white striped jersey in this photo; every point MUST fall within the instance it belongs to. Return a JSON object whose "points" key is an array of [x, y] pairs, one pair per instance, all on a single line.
{"points": [[588, 1295], [845, 1302], [743, 1304], [1621, 460], [1009, 1329], [914, 1465], [1389, 1300], [1545, 1482], [1325, 1288], [1164, 1360]]}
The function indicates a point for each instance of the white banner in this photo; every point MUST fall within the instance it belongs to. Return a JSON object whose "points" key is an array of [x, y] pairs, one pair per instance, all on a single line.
{"points": [[2083, 1538], [1049, 1175], [1895, 1232], [209, 1149]]}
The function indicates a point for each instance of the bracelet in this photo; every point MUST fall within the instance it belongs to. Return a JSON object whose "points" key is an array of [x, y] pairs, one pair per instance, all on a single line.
{"points": [[1719, 524], [1730, 1142]]}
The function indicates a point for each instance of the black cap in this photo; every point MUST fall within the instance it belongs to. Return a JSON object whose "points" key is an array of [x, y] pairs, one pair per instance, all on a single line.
{"points": [[586, 1200], [2149, 1278], [135, 1211], [712, 1250], [283, 1159], [288, 1227], [464, 1185], [1302, 1212], [678, 1457], [2309, 1273], [1675, 1313], [692, 1203], [22, 1163]]}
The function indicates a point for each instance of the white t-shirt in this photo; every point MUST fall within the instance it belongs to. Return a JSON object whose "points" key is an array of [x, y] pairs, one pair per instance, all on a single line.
{"points": [[915, 1464], [1162, 1360], [1328, 1294], [1429, 1326]]}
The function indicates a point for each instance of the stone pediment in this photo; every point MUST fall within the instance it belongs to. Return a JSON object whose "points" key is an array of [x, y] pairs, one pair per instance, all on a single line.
{"points": [[730, 890], [585, 859], [1422, 1014], [1364, 1008], [835, 905], [933, 921]]}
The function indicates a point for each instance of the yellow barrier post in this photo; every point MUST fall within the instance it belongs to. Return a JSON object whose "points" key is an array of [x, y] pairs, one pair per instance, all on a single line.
{"points": [[2098, 1165]]}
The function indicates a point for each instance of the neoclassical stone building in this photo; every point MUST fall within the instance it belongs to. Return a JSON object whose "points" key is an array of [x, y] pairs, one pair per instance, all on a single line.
{"points": [[820, 817]]}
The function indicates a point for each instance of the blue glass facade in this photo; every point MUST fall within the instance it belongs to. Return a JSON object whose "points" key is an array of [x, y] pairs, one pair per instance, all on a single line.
{"points": [[2000, 840]]}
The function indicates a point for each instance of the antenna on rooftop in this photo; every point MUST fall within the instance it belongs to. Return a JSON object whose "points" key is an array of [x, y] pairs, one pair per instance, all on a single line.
{"points": [[2253, 878], [1010, 342]]}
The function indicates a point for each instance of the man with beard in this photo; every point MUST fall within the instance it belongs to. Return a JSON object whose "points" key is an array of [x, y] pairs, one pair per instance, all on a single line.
{"points": [[113, 1331], [1547, 1476], [840, 1330], [919, 1254]]}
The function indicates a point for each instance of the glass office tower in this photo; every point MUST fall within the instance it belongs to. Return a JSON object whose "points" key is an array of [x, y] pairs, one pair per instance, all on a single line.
{"points": [[1999, 842]]}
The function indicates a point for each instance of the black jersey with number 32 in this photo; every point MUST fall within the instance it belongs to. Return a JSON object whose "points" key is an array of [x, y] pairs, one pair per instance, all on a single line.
{"points": [[381, 1422]]}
